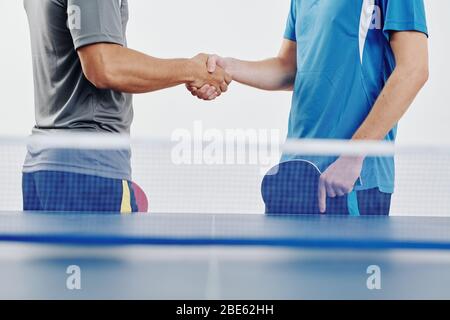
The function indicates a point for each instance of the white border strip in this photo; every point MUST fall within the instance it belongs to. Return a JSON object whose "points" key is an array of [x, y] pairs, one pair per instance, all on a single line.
{"points": [[294, 147], [356, 148]]}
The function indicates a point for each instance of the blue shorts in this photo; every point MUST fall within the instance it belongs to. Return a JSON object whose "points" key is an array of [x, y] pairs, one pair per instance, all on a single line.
{"points": [[373, 202], [72, 192]]}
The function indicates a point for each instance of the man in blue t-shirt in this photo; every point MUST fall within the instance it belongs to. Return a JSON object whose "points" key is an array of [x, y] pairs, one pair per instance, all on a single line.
{"points": [[355, 67]]}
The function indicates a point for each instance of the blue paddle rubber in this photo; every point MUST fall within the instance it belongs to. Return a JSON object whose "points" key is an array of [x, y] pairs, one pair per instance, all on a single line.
{"points": [[292, 188]]}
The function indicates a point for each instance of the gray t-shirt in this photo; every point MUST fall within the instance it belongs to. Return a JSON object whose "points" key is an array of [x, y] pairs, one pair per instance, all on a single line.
{"points": [[65, 100]]}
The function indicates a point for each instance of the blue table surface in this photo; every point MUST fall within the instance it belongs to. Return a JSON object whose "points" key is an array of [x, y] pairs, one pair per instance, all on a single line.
{"points": [[204, 229], [188, 256]]}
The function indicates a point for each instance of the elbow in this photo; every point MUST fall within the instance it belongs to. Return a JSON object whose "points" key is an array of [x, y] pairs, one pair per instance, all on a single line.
{"points": [[99, 81], [423, 75], [418, 75], [100, 76], [99, 64], [289, 72]]}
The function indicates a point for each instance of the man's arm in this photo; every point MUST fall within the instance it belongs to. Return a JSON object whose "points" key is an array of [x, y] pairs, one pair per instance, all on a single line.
{"points": [[277, 73], [410, 75], [111, 66]]}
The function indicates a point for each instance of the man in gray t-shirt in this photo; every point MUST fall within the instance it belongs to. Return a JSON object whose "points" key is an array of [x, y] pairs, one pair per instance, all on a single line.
{"points": [[84, 77]]}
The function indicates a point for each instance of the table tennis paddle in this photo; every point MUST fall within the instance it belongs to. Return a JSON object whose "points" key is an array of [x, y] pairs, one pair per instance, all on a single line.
{"points": [[141, 198], [292, 188]]}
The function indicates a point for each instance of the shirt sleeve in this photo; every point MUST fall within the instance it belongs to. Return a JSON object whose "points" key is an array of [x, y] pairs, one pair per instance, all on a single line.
{"points": [[403, 15], [95, 21], [290, 33]]}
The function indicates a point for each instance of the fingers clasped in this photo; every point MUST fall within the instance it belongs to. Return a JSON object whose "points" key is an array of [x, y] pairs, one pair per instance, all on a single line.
{"points": [[216, 79]]}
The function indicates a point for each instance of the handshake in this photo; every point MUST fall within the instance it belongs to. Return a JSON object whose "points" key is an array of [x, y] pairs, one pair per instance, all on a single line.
{"points": [[209, 77]]}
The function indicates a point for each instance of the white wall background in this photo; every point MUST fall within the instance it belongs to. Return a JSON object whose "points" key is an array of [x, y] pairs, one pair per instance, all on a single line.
{"points": [[250, 29]]}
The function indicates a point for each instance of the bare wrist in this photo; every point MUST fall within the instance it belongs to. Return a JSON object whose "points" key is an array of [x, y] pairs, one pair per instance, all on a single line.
{"points": [[230, 65], [188, 71]]}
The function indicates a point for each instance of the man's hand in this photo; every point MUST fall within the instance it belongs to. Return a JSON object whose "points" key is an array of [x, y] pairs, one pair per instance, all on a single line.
{"points": [[209, 92], [209, 78], [339, 179]]}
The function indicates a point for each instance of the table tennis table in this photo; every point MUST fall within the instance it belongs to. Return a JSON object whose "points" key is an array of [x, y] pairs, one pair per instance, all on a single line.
{"points": [[205, 256]]}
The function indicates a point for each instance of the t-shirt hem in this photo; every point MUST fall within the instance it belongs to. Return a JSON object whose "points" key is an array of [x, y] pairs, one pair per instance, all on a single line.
{"points": [[382, 188], [97, 38], [290, 37], [72, 169], [405, 26]]}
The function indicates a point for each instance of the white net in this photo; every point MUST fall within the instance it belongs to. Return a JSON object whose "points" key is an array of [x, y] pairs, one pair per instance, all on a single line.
{"points": [[220, 176]]}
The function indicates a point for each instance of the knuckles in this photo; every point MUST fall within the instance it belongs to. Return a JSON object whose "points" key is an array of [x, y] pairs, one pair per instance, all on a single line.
{"points": [[333, 184]]}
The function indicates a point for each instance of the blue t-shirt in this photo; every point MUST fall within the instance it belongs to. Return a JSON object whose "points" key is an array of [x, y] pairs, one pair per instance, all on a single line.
{"points": [[344, 59]]}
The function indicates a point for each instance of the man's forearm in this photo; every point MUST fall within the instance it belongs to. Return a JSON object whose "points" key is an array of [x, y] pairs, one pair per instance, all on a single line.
{"points": [[393, 102], [271, 74], [130, 71]]}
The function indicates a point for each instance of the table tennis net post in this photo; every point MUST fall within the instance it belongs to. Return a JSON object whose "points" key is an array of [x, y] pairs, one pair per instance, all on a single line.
{"points": [[225, 176]]}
